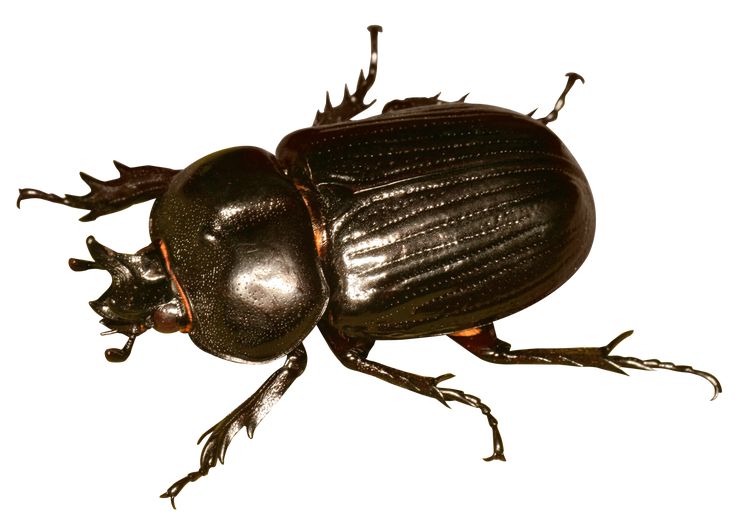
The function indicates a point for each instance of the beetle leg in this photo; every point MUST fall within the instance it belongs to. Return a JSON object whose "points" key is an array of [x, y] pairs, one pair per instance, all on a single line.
{"points": [[248, 416], [353, 104], [551, 116], [352, 352], [134, 185], [484, 343], [410, 103]]}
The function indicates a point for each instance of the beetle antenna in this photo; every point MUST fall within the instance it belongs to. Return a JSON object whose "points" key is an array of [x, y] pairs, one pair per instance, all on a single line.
{"points": [[117, 355], [560, 102]]}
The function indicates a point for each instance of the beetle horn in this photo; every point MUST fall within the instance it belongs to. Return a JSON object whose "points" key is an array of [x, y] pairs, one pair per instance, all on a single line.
{"points": [[95, 249], [140, 284]]}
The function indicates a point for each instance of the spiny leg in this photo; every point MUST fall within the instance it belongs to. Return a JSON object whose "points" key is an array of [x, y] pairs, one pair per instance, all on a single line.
{"points": [[134, 185], [353, 104], [484, 343], [410, 103], [247, 415], [551, 116], [352, 353]]}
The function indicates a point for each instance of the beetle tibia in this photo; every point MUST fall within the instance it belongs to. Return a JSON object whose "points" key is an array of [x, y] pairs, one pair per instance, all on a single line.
{"points": [[484, 344], [135, 184], [353, 104]]}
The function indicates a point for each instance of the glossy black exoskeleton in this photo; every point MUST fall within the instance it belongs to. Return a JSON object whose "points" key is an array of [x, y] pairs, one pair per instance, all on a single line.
{"points": [[433, 218]]}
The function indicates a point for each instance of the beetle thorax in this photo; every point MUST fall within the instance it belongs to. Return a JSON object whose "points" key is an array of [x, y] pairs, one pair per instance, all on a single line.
{"points": [[242, 248]]}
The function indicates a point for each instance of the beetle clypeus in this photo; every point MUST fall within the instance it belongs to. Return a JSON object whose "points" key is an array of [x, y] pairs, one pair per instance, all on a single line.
{"points": [[433, 218]]}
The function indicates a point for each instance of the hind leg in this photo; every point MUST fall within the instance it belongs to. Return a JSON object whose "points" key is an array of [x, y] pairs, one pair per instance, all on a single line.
{"points": [[410, 103], [484, 343], [551, 116]]}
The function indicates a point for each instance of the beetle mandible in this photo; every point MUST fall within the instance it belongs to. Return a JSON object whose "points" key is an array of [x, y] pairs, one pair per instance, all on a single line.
{"points": [[432, 218]]}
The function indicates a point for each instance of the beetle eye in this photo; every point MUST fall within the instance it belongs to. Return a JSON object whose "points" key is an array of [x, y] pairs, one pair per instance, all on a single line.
{"points": [[167, 318]]}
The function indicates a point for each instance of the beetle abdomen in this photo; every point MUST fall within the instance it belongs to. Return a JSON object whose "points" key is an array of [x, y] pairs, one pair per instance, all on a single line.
{"points": [[445, 218]]}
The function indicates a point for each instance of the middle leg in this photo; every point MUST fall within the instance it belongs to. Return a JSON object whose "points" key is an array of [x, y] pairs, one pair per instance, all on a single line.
{"points": [[353, 104], [352, 352]]}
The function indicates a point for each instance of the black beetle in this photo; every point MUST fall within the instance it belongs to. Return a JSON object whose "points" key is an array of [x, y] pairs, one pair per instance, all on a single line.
{"points": [[433, 218]]}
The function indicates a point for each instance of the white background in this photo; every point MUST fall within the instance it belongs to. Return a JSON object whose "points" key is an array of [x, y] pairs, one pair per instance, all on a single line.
{"points": [[91, 445]]}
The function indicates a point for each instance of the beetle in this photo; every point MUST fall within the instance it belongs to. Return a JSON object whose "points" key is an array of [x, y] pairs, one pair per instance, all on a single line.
{"points": [[432, 218]]}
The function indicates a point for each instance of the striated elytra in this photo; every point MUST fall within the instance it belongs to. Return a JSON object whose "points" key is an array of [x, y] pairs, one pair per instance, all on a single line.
{"points": [[432, 218]]}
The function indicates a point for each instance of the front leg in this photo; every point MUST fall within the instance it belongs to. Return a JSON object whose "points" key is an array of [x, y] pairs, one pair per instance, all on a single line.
{"points": [[352, 352], [247, 415], [135, 184]]}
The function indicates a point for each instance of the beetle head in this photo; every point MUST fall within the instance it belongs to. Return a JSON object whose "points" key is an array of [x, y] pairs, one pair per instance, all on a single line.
{"points": [[141, 295]]}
